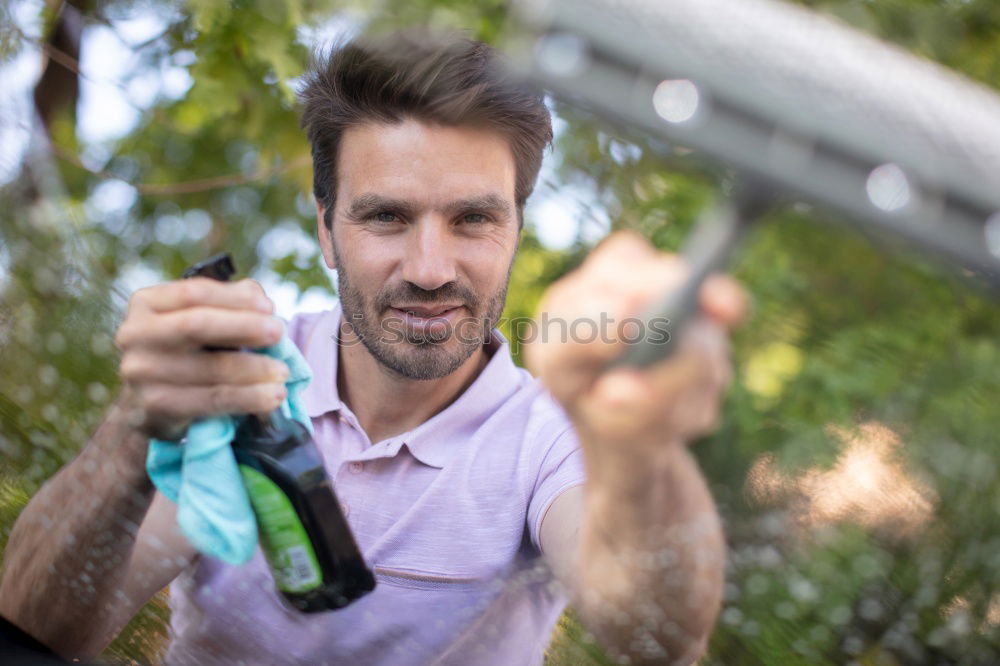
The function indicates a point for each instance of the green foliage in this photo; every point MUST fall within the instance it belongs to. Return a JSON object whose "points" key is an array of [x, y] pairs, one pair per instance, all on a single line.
{"points": [[852, 342]]}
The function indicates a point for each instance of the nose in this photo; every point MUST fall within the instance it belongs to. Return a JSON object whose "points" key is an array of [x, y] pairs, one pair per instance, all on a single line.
{"points": [[430, 255]]}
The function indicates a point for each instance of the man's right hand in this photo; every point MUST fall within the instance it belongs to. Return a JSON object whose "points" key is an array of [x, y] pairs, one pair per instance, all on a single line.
{"points": [[169, 378], [81, 525]]}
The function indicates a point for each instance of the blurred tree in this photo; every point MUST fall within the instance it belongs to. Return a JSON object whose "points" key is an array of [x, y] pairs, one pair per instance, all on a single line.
{"points": [[855, 464]]}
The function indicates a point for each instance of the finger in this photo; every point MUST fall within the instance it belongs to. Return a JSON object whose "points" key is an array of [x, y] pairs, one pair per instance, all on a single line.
{"points": [[694, 386], [682, 391], [707, 338], [627, 409], [701, 358], [200, 326], [589, 316], [622, 245], [161, 403], [201, 368], [194, 292], [645, 392], [587, 320], [628, 258], [724, 299]]}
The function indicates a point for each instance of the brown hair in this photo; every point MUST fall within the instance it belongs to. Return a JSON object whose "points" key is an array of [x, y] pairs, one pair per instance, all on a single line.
{"points": [[446, 80]]}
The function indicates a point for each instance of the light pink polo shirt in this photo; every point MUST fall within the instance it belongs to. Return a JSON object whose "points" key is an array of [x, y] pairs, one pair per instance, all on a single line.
{"points": [[448, 514]]}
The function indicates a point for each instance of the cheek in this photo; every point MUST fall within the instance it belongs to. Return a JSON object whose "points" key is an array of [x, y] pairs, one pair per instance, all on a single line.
{"points": [[369, 260], [487, 264]]}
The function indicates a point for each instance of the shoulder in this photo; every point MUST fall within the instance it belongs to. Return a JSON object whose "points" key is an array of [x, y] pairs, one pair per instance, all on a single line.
{"points": [[547, 418], [532, 412], [546, 434], [519, 426]]}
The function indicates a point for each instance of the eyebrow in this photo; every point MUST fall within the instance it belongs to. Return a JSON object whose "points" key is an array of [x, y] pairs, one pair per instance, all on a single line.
{"points": [[493, 203], [366, 204]]}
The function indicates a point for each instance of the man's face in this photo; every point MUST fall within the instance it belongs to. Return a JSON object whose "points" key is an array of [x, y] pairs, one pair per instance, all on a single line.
{"points": [[423, 237]]}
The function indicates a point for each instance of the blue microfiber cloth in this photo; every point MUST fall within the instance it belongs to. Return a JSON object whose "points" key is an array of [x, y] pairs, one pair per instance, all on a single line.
{"points": [[200, 475]]}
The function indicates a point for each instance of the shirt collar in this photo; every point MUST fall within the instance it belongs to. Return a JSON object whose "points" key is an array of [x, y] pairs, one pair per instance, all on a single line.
{"points": [[434, 441], [320, 349]]}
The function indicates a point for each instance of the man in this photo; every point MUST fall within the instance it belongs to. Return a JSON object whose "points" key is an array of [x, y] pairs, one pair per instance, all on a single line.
{"points": [[462, 478]]}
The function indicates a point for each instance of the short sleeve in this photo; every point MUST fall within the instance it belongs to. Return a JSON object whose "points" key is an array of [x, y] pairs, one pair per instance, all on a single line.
{"points": [[561, 469]]}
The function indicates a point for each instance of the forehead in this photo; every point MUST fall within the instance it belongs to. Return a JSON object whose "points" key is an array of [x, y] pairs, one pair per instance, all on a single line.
{"points": [[423, 162]]}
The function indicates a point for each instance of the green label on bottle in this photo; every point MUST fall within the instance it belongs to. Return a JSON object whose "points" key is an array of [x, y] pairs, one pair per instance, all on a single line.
{"points": [[282, 536]]}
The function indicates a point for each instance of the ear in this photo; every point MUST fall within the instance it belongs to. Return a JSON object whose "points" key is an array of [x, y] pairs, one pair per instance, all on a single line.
{"points": [[325, 237]]}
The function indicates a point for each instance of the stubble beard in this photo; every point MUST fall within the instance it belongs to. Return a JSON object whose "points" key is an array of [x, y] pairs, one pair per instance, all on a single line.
{"points": [[413, 356]]}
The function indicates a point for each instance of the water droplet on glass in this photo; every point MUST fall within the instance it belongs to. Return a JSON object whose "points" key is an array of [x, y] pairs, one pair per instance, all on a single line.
{"points": [[676, 100], [47, 375], [888, 188], [97, 392]]}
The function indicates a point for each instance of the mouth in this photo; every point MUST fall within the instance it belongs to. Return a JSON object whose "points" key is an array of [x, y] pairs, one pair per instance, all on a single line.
{"points": [[434, 321], [426, 311]]}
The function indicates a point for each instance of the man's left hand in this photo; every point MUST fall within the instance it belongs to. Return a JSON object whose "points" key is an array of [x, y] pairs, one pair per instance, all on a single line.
{"points": [[625, 410]]}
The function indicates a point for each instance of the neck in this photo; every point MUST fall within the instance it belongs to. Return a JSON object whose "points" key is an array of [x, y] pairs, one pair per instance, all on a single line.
{"points": [[390, 404]]}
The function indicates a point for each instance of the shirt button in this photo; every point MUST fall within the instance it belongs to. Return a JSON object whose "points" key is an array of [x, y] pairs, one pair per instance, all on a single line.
{"points": [[357, 468], [346, 510]]}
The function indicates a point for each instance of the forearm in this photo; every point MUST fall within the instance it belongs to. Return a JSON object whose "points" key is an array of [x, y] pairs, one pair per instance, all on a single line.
{"points": [[652, 554], [68, 553]]}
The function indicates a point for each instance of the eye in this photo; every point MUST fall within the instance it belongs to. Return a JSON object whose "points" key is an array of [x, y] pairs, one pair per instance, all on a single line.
{"points": [[385, 217], [474, 218]]}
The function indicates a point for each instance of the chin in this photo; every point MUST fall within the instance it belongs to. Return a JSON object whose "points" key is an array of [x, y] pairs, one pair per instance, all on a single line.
{"points": [[428, 360]]}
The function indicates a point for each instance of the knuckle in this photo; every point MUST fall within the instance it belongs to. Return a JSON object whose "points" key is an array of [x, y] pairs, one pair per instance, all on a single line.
{"points": [[189, 324], [131, 368], [139, 298], [192, 291], [128, 334], [252, 287]]}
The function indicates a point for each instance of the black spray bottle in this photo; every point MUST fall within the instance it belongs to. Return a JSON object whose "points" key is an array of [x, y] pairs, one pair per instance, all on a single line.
{"points": [[307, 542]]}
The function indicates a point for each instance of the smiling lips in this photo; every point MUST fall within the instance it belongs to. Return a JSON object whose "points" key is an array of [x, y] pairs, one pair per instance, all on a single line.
{"points": [[426, 311], [434, 321]]}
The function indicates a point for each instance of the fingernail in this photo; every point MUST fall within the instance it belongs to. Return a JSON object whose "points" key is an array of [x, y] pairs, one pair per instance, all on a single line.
{"points": [[264, 304]]}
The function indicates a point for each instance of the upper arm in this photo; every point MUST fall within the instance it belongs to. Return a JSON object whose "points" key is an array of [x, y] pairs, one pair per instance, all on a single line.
{"points": [[559, 533]]}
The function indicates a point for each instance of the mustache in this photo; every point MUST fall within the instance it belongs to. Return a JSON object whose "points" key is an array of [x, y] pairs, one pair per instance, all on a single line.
{"points": [[411, 293]]}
